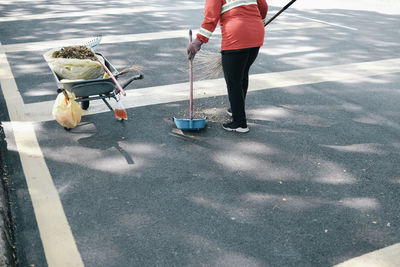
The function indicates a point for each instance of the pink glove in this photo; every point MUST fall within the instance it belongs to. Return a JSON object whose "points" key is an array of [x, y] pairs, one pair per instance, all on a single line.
{"points": [[193, 48]]}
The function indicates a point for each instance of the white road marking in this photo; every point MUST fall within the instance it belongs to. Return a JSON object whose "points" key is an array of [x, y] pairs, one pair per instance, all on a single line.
{"points": [[57, 239], [325, 22], [100, 12], [13, 98], [386, 257], [58, 242], [115, 39], [41, 111]]}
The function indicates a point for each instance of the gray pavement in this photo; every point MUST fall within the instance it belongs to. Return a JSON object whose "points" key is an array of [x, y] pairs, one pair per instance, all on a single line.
{"points": [[314, 183]]}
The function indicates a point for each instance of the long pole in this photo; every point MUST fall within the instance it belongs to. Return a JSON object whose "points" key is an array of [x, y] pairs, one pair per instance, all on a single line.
{"points": [[191, 79], [280, 11], [112, 77]]}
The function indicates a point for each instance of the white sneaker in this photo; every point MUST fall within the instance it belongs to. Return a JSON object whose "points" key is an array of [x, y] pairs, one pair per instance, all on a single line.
{"points": [[235, 127]]}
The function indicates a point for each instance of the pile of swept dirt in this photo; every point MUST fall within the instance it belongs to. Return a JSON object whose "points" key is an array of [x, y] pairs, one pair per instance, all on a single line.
{"points": [[78, 52]]}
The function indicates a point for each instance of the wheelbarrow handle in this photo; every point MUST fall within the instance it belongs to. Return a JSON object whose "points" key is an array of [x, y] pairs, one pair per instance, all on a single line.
{"points": [[112, 77], [136, 77]]}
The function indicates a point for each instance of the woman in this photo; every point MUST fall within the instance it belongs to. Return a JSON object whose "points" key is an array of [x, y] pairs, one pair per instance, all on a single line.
{"points": [[242, 27]]}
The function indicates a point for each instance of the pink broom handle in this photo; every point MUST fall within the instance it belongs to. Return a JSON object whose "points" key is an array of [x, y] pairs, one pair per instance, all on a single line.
{"points": [[191, 79], [112, 77]]}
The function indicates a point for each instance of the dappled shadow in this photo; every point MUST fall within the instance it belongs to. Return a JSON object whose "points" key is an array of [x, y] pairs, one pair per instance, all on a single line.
{"points": [[164, 60], [315, 182], [307, 186], [105, 141]]}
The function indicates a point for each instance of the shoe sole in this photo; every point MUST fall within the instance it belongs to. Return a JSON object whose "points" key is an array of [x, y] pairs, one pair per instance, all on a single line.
{"points": [[238, 130]]}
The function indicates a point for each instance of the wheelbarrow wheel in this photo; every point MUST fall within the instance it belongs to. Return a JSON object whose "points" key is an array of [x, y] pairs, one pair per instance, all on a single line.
{"points": [[85, 103]]}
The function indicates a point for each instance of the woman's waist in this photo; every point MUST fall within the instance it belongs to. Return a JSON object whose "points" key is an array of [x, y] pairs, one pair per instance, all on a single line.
{"points": [[239, 25]]}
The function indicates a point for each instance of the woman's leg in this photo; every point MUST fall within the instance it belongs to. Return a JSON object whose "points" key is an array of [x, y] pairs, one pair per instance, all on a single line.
{"points": [[253, 53], [233, 64]]}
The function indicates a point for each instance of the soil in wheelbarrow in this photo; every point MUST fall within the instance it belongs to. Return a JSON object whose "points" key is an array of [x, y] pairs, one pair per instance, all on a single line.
{"points": [[78, 52]]}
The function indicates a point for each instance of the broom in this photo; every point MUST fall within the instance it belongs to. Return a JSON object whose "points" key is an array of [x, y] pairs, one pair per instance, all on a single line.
{"points": [[129, 69], [279, 12], [211, 62]]}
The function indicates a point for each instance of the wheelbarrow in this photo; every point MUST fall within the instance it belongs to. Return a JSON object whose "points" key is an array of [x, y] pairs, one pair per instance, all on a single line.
{"points": [[100, 88]]}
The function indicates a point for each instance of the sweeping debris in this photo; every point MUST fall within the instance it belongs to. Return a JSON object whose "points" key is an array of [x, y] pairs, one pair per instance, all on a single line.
{"points": [[78, 52]]}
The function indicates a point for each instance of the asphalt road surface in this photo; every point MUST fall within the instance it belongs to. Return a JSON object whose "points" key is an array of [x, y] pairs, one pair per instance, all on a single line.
{"points": [[315, 182]]}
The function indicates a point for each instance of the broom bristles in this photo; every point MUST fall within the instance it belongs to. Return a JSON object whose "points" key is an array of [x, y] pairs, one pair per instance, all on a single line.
{"points": [[208, 63], [130, 69]]}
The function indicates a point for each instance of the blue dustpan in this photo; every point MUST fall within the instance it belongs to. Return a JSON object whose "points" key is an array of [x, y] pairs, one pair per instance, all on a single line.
{"points": [[190, 124]]}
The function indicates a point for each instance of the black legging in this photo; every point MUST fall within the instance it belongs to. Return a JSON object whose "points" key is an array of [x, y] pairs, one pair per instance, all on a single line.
{"points": [[236, 65]]}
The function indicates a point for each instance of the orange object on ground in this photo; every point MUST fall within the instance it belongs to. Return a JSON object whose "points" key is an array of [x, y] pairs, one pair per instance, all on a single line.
{"points": [[120, 112]]}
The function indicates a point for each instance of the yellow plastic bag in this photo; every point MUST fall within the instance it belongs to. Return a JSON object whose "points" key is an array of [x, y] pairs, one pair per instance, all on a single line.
{"points": [[66, 111]]}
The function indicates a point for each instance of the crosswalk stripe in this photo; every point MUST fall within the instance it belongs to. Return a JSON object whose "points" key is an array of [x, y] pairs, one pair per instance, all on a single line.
{"points": [[386, 257], [325, 22], [100, 12], [114, 39], [58, 241], [41, 111]]}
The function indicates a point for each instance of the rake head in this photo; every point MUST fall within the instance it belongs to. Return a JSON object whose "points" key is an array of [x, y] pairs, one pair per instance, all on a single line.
{"points": [[94, 42]]}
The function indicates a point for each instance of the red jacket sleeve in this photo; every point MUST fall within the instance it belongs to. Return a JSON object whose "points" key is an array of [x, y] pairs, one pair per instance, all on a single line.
{"points": [[263, 8], [212, 13]]}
